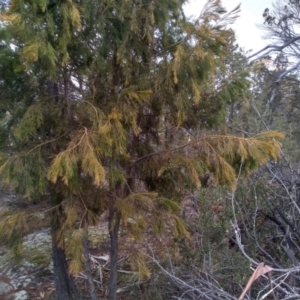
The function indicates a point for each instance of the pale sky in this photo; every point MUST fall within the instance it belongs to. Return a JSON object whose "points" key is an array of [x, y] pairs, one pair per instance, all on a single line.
{"points": [[249, 36]]}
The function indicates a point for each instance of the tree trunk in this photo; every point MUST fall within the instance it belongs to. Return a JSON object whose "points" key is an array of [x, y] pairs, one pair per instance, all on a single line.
{"points": [[88, 270], [114, 224], [64, 284]]}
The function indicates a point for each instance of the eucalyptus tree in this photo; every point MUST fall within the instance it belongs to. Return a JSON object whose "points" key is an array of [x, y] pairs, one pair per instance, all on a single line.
{"points": [[281, 26], [119, 87]]}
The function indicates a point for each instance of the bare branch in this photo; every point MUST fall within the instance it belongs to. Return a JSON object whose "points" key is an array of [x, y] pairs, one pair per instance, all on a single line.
{"points": [[273, 48]]}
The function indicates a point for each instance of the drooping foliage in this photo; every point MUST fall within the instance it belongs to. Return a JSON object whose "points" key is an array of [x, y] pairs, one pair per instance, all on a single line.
{"points": [[115, 91]]}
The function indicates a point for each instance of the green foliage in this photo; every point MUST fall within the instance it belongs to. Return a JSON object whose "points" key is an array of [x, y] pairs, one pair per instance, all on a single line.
{"points": [[11, 224], [15, 225], [45, 31], [30, 123], [24, 173]]}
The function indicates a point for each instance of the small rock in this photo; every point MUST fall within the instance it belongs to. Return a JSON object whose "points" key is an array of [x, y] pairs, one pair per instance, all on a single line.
{"points": [[5, 288], [21, 295], [21, 282]]}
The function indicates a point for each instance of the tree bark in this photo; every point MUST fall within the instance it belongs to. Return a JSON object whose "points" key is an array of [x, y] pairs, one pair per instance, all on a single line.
{"points": [[64, 284], [114, 219]]}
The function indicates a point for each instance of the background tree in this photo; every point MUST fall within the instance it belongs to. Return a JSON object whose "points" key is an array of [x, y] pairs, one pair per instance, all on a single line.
{"points": [[273, 103], [281, 26]]}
